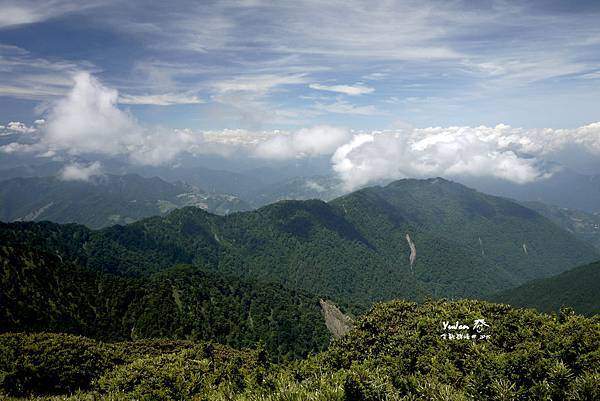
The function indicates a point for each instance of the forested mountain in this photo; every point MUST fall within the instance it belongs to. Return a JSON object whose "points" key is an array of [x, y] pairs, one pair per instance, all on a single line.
{"points": [[103, 200], [41, 292], [577, 288], [584, 225], [353, 249], [502, 232]]}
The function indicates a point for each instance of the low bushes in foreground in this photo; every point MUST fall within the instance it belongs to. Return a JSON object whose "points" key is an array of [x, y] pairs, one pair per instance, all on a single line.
{"points": [[397, 351]]}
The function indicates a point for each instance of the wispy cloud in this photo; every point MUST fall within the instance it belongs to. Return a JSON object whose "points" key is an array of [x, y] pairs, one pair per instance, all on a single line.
{"points": [[165, 99], [343, 107], [351, 90], [241, 56], [25, 76], [21, 12], [258, 83]]}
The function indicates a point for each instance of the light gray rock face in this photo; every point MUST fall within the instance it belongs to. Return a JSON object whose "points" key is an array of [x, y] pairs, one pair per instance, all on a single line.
{"points": [[337, 322], [413, 251]]}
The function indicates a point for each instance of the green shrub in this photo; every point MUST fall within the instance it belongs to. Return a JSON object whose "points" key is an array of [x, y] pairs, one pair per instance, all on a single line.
{"points": [[51, 363]]}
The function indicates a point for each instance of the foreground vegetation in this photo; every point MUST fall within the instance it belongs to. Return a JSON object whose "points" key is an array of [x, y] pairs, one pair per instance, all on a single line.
{"points": [[395, 352]]}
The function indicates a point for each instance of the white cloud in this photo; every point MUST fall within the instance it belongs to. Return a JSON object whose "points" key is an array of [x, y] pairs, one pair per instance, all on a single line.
{"points": [[504, 152], [160, 146], [316, 141], [165, 99], [20, 127], [351, 90], [16, 147], [88, 121], [80, 172]]}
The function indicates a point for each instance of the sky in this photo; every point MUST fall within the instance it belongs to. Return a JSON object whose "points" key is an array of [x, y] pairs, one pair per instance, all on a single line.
{"points": [[295, 78]]}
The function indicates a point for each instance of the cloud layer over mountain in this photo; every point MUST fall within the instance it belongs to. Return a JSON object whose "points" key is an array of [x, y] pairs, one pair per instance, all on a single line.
{"points": [[88, 121]]}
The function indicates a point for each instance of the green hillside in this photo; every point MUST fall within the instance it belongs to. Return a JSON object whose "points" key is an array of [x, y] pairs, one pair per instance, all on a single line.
{"points": [[578, 288], [104, 200], [39, 292], [397, 351], [353, 249], [506, 234]]}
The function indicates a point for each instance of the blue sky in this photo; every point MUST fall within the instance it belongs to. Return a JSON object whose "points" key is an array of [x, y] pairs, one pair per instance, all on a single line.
{"points": [[283, 65]]}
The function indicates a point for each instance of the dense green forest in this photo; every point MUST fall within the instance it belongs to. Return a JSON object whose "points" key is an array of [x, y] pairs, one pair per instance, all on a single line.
{"points": [[104, 200], [352, 249], [506, 234], [578, 288], [39, 292], [397, 351]]}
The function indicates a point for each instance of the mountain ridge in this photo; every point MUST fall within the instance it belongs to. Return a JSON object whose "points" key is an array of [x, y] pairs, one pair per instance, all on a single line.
{"points": [[352, 249], [104, 200]]}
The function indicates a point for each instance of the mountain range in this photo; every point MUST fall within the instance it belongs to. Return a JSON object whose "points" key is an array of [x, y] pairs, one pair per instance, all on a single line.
{"points": [[354, 249], [104, 200]]}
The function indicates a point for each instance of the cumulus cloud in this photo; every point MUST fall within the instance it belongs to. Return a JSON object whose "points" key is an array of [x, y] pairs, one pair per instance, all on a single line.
{"points": [[316, 141], [351, 90], [503, 152], [88, 120], [80, 172], [455, 151]]}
